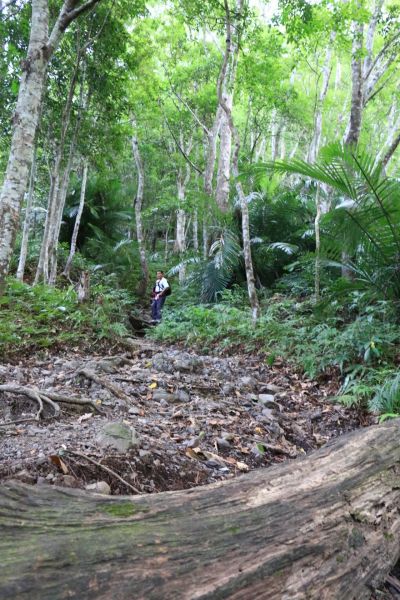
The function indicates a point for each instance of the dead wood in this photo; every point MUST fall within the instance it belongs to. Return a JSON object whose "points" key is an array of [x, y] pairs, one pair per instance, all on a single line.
{"points": [[105, 468], [318, 528]]}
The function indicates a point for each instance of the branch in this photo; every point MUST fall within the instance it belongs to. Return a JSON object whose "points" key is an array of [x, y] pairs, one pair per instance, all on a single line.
{"points": [[391, 150], [68, 13], [181, 150], [207, 131]]}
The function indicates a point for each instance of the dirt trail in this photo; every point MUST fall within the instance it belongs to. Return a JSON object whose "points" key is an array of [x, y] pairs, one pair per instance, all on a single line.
{"points": [[168, 419]]}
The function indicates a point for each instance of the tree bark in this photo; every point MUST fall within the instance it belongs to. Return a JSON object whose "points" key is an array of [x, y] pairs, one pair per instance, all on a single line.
{"points": [[248, 262], [26, 118], [354, 126], [326, 75], [27, 222], [323, 527], [142, 288], [78, 217]]}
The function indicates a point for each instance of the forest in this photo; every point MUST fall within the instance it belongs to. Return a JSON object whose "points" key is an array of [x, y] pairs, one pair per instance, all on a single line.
{"points": [[200, 299]]}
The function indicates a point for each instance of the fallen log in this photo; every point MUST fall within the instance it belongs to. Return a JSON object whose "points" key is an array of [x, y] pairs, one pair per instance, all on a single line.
{"points": [[326, 527]]}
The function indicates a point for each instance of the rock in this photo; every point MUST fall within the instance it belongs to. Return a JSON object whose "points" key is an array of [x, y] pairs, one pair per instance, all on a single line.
{"points": [[69, 481], [270, 388], [159, 395], [100, 487], [119, 436], [223, 443], [247, 382], [145, 455], [226, 435], [25, 476], [268, 401], [179, 396], [134, 410], [41, 481], [269, 413], [180, 361], [227, 388]]}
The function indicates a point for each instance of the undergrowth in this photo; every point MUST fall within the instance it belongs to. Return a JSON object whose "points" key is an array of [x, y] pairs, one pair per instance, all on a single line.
{"points": [[33, 317], [360, 342]]}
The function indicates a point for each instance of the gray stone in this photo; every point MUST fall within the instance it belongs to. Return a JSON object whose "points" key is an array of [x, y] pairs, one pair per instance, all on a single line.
{"points": [[268, 401], [100, 487], [134, 410], [247, 382], [228, 388], [269, 413], [25, 476], [270, 388], [159, 395], [119, 436], [223, 443], [69, 481]]}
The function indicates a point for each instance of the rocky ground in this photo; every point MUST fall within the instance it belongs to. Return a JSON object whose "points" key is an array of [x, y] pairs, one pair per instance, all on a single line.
{"points": [[151, 418]]}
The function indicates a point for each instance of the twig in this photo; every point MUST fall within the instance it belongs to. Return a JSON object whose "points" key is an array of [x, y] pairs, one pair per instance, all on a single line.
{"points": [[107, 469]]}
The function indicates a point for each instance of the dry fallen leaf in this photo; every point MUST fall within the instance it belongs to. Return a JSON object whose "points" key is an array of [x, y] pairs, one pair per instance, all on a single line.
{"points": [[56, 460]]}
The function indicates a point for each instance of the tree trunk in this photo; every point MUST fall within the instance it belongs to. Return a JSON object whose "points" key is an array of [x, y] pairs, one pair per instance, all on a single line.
{"points": [[320, 528], [26, 117], [196, 231], [326, 75], [224, 163], [142, 288], [78, 217], [248, 262], [354, 126], [27, 222]]}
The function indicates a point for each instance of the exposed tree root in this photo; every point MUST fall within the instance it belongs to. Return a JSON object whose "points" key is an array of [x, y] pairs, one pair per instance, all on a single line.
{"points": [[43, 397], [115, 390]]}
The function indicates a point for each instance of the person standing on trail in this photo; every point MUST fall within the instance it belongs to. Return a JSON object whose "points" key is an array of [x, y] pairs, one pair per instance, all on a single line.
{"points": [[160, 291]]}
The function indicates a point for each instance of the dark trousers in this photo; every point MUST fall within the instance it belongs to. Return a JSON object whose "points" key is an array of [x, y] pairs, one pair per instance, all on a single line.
{"points": [[156, 307]]}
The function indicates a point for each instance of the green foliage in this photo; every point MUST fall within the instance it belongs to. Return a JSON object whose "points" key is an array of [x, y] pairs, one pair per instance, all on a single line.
{"points": [[366, 221], [43, 316], [387, 398]]}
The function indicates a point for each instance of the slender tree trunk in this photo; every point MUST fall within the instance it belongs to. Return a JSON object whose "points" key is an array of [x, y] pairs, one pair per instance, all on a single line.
{"points": [[317, 246], [59, 210], [138, 218], [78, 217], [206, 239], [391, 150], [251, 288], [42, 271], [326, 74], [27, 222], [224, 163], [196, 231], [26, 117], [354, 126]]}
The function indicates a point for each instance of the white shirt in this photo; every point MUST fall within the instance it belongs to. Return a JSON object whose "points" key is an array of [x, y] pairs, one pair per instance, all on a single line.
{"points": [[161, 285]]}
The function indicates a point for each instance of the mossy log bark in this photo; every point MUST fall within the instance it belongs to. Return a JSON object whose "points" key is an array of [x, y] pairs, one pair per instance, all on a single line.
{"points": [[323, 527]]}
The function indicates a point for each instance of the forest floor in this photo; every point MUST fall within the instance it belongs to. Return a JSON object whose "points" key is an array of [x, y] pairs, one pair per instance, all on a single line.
{"points": [[149, 418]]}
